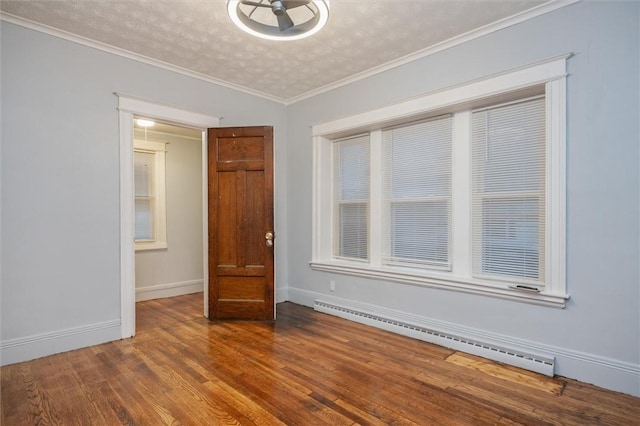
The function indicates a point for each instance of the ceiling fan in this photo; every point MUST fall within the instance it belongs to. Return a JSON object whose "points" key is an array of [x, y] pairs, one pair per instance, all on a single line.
{"points": [[279, 19], [279, 8]]}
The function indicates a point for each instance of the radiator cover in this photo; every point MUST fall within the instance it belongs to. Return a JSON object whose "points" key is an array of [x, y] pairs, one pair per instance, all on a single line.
{"points": [[539, 363]]}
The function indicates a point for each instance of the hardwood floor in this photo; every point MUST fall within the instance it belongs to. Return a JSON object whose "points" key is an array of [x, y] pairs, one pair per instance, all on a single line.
{"points": [[307, 368]]}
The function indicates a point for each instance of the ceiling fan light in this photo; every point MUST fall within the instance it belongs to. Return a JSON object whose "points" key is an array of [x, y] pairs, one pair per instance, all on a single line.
{"points": [[269, 32]]}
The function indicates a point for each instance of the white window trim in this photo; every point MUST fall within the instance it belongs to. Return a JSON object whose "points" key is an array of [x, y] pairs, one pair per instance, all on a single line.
{"points": [[552, 74], [159, 241]]}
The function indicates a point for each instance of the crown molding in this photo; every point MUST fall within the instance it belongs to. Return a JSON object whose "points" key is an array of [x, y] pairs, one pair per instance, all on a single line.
{"points": [[447, 44], [455, 41], [65, 35]]}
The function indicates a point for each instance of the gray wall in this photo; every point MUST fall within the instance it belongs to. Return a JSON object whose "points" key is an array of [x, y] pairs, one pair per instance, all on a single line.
{"points": [[60, 177], [601, 321]]}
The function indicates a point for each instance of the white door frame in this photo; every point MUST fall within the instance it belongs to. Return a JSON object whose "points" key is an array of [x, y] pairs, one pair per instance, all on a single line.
{"points": [[128, 106]]}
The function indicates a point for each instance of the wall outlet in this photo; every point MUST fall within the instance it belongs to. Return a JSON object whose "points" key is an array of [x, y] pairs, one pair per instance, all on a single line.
{"points": [[332, 285]]}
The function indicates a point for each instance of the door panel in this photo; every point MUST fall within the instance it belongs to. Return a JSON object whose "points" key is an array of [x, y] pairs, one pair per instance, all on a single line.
{"points": [[240, 215], [251, 288], [254, 255], [234, 150], [227, 234]]}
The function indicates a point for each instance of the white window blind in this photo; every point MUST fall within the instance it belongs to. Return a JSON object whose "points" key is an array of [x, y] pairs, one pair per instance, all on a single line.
{"points": [[417, 166], [351, 197], [144, 171], [508, 191]]}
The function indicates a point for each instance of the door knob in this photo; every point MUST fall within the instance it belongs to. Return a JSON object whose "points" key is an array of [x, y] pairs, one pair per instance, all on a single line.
{"points": [[269, 238]]}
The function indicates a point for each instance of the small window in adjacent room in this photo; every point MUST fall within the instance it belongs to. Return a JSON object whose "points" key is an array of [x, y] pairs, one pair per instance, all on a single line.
{"points": [[150, 195]]}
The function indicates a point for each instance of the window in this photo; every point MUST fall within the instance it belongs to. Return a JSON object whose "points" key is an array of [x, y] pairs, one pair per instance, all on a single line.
{"points": [[150, 194], [417, 193], [462, 189], [352, 197], [508, 187]]}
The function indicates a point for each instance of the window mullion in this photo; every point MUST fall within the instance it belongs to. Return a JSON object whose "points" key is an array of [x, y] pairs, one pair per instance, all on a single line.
{"points": [[461, 195], [375, 199], [159, 198], [556, 185], [323, 196]]}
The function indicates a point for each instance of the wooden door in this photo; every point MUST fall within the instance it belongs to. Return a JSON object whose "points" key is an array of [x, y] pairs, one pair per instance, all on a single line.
{"points": [[241, 233]]}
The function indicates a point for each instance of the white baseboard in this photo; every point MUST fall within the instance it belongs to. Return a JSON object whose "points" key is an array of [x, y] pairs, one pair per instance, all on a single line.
{"points": [[168, 290], [608, 373], [282, 294], [39, 345]]}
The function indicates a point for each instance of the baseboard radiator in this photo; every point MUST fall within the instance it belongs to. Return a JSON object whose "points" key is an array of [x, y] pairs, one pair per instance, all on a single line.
{"points": [[543, 364]]}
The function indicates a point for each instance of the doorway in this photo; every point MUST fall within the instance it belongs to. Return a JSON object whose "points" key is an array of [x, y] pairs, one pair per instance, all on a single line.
{"points": [[128, 108]]}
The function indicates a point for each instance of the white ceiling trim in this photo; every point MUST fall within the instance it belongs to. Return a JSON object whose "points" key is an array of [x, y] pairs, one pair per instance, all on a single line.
{"points": [[463, 38], [447, 44], [36, 26]]}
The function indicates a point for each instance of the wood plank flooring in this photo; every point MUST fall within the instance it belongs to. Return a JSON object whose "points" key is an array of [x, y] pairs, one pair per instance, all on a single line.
{"points": [[307, 368]]}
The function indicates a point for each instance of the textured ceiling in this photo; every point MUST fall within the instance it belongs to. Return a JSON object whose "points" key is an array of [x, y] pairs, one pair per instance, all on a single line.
{"points": [[198, 36]]}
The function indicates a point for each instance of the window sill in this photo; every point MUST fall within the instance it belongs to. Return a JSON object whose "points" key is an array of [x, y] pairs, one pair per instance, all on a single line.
{"points": [[435, 280], [150, 246]]}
